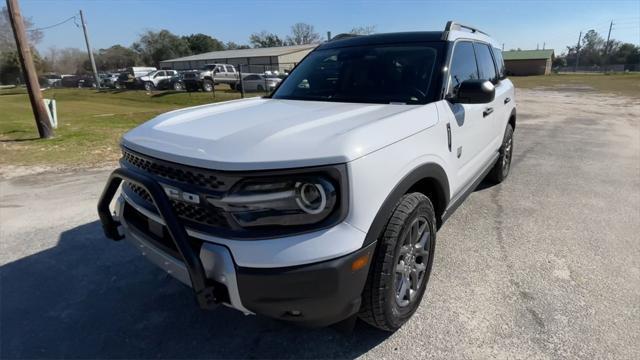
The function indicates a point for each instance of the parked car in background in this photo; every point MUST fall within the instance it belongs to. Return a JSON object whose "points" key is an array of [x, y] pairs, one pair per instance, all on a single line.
{"points": [[109, 80], [213, 74], [152, 79], [51, 80], [259, 82], [127, 79], [191, 80], [78, 81], [171, 83]]}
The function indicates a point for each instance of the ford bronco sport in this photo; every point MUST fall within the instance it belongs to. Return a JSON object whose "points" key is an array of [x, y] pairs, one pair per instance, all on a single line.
{"points": [[320, 203]]}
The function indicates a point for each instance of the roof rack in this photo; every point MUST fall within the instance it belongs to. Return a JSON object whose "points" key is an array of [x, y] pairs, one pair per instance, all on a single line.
{"points": [[452, 25]]}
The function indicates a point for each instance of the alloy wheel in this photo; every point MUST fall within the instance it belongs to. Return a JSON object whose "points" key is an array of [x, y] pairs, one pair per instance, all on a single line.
{"points": [[411, 266]]}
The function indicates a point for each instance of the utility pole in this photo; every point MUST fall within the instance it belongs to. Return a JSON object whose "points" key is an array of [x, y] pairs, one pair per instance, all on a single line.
{"points": [[606, 47], [543, 45], [26, 61], [93, 62], [575, 66]]}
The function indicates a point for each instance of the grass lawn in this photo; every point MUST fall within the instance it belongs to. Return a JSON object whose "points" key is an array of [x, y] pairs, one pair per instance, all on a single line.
{"points": [[619, 84], [90, 123]]}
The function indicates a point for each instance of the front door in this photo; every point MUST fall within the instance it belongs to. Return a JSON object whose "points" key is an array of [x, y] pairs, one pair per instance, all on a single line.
{"points": [[468, 123]]}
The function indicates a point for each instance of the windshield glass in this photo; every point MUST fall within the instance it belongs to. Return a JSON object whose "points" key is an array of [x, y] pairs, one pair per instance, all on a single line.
{"points": [[373, 74]]}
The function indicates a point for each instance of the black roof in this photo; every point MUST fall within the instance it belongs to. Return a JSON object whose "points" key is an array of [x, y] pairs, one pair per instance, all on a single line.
{"points": [[388, 38]]}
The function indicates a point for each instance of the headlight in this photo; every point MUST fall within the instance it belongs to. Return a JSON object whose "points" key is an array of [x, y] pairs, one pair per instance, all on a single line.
{"points": [[290, 201]]}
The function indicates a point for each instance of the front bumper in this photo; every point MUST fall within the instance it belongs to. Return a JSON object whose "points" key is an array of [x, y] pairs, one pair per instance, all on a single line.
{"points": [[316, 294]]}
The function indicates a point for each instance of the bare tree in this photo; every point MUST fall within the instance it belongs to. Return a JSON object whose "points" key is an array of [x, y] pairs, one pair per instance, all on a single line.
{"points": [[7, 41], [363, 30], [265, 39], [302, 34]]}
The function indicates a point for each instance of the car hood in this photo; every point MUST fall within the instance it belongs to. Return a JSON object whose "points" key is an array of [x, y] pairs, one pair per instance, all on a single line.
{"points": [[261, 133]]}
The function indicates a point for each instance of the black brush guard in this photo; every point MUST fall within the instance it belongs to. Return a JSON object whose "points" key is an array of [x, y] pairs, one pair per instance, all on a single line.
{"points": [[203, 287]]}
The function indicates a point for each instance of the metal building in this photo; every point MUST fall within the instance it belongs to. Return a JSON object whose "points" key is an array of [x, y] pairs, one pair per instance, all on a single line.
{"points": [[252, 60], [528, 62]]}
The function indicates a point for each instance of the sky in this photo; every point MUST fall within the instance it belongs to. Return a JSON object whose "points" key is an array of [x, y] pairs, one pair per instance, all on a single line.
{"points": [[517, 24]]}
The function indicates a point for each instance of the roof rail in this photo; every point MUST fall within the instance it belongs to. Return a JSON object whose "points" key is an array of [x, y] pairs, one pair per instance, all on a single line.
{"points": [[452, 25], [343, 36]]}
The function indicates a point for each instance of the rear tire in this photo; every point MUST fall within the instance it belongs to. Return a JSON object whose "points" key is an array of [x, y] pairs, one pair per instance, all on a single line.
{"points": [[177, 86], [502, 167], [402, 264]]}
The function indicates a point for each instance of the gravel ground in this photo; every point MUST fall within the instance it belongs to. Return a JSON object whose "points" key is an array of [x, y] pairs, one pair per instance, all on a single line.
{"points": [[546, 265]]}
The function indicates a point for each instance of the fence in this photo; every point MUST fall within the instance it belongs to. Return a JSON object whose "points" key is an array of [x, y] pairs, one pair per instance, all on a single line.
{"points": [[261, 78], [598, 69]]}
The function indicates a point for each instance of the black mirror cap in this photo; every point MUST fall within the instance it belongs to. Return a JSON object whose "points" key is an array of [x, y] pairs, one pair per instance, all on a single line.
{"points": [[476, 92]]}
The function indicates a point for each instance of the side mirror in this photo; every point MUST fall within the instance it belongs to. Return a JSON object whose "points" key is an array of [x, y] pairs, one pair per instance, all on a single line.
{"points": [[475, 92]]}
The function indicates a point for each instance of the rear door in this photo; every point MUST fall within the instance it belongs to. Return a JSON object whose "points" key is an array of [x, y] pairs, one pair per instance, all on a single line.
{"points": [[504, 96]]}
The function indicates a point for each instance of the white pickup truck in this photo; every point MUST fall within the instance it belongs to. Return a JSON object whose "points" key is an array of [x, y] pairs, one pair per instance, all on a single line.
{"points": [[320, 203], [211, 75]]}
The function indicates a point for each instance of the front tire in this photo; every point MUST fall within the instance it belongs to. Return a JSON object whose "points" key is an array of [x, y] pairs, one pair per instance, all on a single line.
{"points": [[149, 86], [401, 267], [207, 86], [502, 167]]}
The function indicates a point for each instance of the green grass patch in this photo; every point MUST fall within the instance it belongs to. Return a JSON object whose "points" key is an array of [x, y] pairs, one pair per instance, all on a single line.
{"points": [[619, 84], [90, 123]]}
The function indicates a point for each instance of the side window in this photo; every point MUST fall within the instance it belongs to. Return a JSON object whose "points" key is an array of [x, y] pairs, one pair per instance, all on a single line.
{"points": [[229, 68], [485, 62], [220, 69], [497, 55], [463, 66]]}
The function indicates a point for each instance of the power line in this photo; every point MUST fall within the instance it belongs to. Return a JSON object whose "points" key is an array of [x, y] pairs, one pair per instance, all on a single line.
{"points": [[54, 25]]}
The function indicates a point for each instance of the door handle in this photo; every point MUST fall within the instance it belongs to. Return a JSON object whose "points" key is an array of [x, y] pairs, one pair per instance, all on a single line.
{"points": [[506, 100], [487, 112]]}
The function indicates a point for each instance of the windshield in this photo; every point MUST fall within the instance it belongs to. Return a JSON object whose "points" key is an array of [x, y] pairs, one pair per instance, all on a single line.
{"points": [[373, 74]]}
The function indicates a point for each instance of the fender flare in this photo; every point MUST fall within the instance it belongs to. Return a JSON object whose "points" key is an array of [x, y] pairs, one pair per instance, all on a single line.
{"points": [[425, 171], [513, 116]]}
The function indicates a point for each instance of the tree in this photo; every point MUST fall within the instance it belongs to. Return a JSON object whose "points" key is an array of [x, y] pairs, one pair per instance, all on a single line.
{"points": [[626, 53], [265, 39], [201, 43], [302, 34], [592, 49], [66, 61], [115, 57], [154, 47], [363, 30], [7, 41], [230, 45], [11, 70]]}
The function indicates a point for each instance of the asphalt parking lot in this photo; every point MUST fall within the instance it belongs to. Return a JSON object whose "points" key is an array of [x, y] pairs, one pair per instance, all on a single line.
{"points": [[546, 265]]}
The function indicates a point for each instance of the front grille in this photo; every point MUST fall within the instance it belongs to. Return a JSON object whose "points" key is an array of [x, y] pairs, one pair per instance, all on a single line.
{"points": [[167, 170], [196, 180], [203, 214]]}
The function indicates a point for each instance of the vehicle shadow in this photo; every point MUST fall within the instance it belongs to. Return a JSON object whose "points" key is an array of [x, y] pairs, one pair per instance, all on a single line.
{"points": [[88, 297], [485, 184]]}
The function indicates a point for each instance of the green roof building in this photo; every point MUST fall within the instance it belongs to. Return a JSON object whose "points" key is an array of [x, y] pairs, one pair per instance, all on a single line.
{"points": [[528, 62]]}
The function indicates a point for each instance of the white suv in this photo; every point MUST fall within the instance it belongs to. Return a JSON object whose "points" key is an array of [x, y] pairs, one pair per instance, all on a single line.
{"points": [[321, 202], [152, 79]]}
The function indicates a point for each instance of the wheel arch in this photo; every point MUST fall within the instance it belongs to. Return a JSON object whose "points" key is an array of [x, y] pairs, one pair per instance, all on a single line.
{"points": [[429, 179], [512, 118]]}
